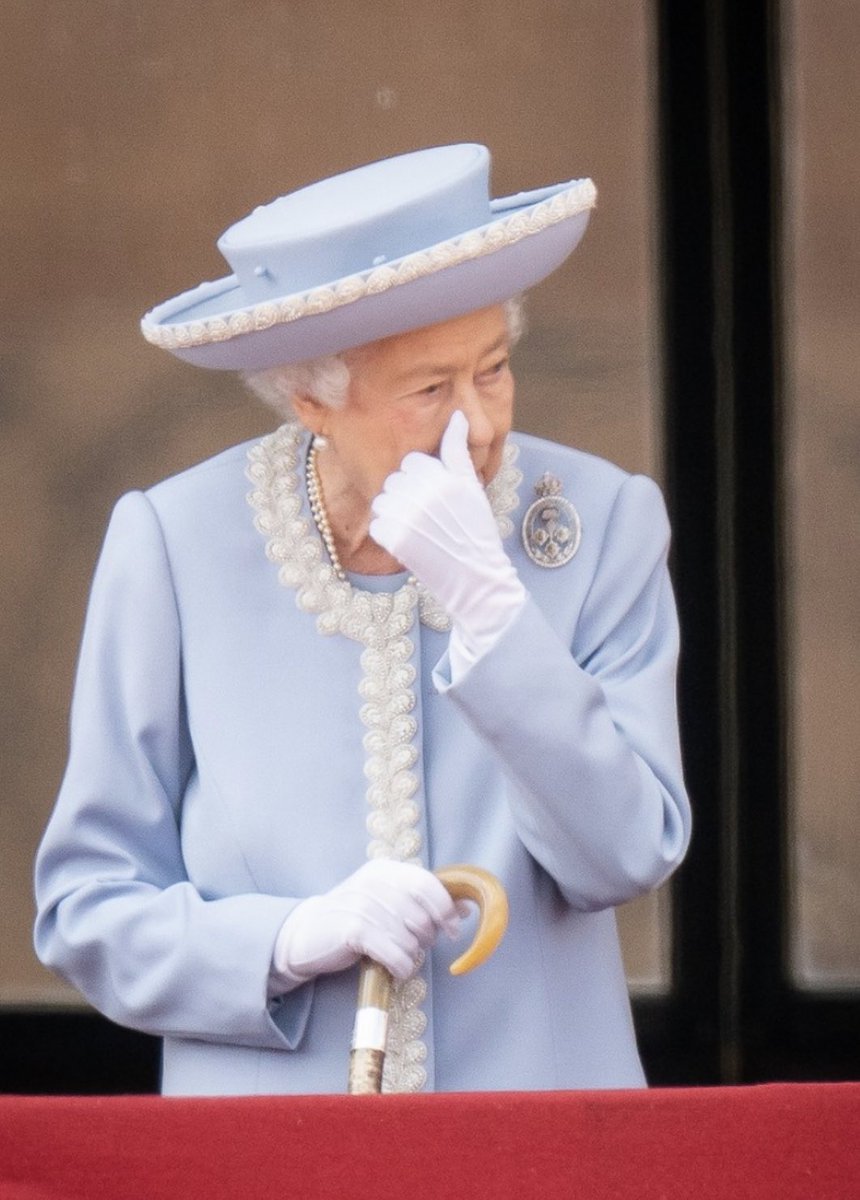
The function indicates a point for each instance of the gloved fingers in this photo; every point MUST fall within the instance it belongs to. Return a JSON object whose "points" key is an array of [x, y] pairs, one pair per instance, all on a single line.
{"points": [[416, 468], [454, 448], [453, 455], [426, 919], [385, 533], [442, 910], [415, 895], [418, 476], [420, 471], [416, 919], [424, 478], [390, 954], [422, 902], [405, 889], [331, 938], [393, 913], [367, 932], [394, 529], [389, 505], [436, 515]]}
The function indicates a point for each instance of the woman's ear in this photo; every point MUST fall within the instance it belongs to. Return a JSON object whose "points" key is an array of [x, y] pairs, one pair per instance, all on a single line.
{"points": [[311, 412]]}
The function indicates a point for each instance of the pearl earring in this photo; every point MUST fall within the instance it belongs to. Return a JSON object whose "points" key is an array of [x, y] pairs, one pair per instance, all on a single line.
{"points": [[320, 441]]}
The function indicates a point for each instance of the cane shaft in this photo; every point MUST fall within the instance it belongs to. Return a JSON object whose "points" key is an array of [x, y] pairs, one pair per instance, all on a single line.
{"points": [[367, 1057], [365, 1072]]}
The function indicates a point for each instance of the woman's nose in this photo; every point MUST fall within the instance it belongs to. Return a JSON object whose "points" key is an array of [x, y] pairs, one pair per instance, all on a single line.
{"points": [[481, 431]]}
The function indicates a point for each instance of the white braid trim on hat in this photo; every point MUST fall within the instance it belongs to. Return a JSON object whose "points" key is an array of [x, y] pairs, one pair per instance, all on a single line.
{"points": [[474, 244]]}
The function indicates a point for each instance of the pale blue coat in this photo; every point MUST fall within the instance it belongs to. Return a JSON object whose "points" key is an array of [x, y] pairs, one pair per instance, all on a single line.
{"points": [[216, 777]]}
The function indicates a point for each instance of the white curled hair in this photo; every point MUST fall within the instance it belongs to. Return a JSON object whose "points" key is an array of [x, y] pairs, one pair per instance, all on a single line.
{"points": [[327, 379]]}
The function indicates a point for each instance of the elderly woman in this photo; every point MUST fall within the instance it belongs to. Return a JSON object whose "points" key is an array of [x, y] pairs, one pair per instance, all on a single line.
{"points": [[426, 640]]}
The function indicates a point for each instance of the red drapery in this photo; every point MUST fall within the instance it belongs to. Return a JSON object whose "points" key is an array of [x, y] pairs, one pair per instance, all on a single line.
{"points": [[786, 1141]]}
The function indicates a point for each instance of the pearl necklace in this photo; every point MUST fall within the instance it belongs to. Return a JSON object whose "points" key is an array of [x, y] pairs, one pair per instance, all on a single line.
{"points": [[320, 516], [318, 512]]}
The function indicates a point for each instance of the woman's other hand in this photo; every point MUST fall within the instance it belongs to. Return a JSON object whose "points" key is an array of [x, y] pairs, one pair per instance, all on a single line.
{"points": [[390, 911]]}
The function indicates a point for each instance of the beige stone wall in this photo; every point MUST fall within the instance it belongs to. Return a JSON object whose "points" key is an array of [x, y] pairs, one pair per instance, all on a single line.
{"points": [[822, 311], [132, 134]]}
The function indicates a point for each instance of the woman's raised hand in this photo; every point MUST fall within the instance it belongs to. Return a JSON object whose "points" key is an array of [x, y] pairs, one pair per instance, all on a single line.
{"points": [[434, 517]]}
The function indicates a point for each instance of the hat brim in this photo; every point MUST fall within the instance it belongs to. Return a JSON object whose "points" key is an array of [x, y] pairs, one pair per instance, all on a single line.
{"points": [[213, 326]]}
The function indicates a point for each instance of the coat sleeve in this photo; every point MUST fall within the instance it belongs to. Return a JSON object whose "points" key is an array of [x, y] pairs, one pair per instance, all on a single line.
{"points": [[587, 733], [117, 915]]}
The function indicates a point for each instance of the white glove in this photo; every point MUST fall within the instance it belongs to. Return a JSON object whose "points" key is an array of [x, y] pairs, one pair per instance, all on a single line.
{"points": [[434, 517], [390, 911]]}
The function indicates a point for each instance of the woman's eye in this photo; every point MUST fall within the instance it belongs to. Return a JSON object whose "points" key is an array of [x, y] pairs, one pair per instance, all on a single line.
{"points": [[496, 369]]}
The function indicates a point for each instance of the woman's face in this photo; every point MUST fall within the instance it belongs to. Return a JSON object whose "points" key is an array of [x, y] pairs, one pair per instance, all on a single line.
{"points": [[403, 391]]}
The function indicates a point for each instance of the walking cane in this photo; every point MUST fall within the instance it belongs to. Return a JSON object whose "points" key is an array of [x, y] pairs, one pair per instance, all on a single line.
{"points": [[367, 1056]]}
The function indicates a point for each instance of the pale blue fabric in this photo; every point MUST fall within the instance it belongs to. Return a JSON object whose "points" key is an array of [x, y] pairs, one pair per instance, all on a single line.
{"points": [[215, 778], [335, 233]]}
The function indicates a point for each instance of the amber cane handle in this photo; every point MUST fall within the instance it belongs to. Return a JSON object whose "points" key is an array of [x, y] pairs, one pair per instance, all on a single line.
{"points": [[464, 882], [367, 1056]]}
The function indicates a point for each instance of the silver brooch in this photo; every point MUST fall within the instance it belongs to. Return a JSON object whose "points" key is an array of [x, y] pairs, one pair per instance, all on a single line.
{"points": [[552, 529]]}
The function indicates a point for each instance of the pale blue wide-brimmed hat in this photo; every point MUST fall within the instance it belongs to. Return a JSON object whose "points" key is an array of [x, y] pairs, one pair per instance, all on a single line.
{"points": [[388, 247]]}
